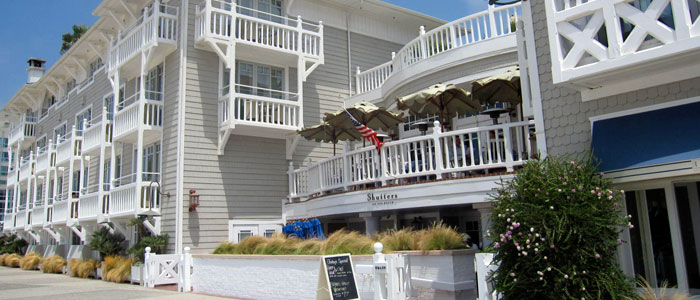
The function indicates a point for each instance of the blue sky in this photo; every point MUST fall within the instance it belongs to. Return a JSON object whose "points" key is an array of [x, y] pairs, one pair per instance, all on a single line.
{"points": [[34, 28]]}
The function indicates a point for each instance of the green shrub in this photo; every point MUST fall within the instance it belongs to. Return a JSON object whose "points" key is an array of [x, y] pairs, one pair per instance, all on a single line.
{"points": [[12, 244], [156, 242], [226, 248], [555, 233], [107, 243]]}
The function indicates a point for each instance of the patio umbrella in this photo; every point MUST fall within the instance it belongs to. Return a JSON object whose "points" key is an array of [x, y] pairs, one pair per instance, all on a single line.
{"points": [[446, 100], [377, 118], [503, 87], [325, 132]]}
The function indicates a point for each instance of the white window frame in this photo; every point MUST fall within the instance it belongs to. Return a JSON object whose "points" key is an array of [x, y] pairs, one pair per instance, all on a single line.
{"points": [[82, 111], [232, 87], [258, 227], [55, 136], [104, 105]]}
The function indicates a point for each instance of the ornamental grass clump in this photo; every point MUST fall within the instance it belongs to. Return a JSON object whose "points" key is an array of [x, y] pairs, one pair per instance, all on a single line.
{"points": [[2, 259], [30, 261], [555, 233], [277, 244], [647, 292], [12, 260], [399, 240], [308, 247], [343, 241], [53, 264], [83, 268], [441, 237], [120, 269]]}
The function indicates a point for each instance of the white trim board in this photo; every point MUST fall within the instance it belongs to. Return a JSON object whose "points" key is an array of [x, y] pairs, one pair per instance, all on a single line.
{"points": [[644, 109]]}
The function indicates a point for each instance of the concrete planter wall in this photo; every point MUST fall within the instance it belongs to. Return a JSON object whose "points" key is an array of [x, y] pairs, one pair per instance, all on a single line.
{"points": [[436, 275]]}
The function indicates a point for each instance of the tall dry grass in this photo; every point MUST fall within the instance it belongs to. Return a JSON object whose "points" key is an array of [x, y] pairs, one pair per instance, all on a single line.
{"points": [[647, 292], [12, 260], [437, 237], [119, 271], [30, 261], [83, 268], [53, 264], [2, 259]]}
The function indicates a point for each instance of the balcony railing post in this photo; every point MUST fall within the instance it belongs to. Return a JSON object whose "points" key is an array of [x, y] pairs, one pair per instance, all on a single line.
{"points": [[439, 166], [492, 22], [320, 40], [507, 145], [423, 46], [207, 19], [358, 89], [155, 23], [300, 37], [292, 188], [346, 166]]}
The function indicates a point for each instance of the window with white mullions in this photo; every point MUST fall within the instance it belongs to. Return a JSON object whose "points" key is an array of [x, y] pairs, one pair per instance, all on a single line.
{"points": [[85, 115], [154, 83], [255, 79], [151, 163], [59, 131], [109, 106], [270, 10]]}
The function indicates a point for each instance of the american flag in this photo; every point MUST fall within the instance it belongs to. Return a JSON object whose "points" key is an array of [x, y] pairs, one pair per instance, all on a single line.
{"points": [[366, 132]]}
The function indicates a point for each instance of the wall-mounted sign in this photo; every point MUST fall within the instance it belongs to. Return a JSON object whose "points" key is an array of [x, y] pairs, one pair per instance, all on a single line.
{"points": [[381, 199], [336, 279]]}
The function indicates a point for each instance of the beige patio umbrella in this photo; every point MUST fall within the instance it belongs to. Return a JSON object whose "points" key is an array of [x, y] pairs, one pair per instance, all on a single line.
{"points": [[503, 87], [377, 118], [325, 132], [446, 100]]}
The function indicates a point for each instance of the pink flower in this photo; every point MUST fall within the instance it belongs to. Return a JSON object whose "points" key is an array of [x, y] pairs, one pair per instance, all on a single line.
{"points": [[566, 276], [597, 255], [615, 204], [619, 241], [551, 246], [564, 183], [578, 167], [497, 245], [580, 188], [512, 274], [573, 190]]}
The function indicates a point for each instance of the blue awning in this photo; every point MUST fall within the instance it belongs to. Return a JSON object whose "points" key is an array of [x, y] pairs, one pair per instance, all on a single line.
{"points": [[648, 138]]}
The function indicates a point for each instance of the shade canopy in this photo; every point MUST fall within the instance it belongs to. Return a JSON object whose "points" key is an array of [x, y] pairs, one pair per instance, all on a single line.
{"points": [[446, 100], [377, 118], [503, 87], [328, 133]]}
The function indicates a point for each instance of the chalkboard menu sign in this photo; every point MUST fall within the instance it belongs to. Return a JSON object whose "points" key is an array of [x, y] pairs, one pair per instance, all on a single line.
{"points": [[336, 279]]}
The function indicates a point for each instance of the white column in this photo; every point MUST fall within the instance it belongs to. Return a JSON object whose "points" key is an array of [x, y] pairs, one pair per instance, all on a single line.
{"points": [[676, 236], [371, 223], [485, 222], [112, 162]]}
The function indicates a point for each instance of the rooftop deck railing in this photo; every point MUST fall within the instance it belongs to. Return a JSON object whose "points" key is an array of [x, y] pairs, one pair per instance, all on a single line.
{"points": [[224, 20], [432, 156], [492, 23]]}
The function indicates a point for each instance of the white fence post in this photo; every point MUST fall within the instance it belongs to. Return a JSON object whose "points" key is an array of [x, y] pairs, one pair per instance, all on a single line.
{"points": [[483, 263], [439, 165], [146, 276], [185, 283], [379, 262]]}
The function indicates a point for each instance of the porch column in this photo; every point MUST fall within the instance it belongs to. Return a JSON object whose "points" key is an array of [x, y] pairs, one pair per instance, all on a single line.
{"points": [[371, 223], [485, 221]]}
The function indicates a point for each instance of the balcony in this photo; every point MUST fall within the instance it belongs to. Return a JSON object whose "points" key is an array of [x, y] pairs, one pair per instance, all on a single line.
{"points": [[145, 114], [90, 202], [441, 155], [69, 147], [130, 198], [45, 159], [61, 212], [26, 167], [607, 47], [156, 29], [8, 224], [274, 114], [12, 177], [21, 219], [24, 131], [97, 134], [223, 22], [473, 37], [38, 216]]}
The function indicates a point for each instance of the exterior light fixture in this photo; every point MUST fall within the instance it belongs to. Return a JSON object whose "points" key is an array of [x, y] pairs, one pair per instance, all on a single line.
{"points": [[194, 200]]}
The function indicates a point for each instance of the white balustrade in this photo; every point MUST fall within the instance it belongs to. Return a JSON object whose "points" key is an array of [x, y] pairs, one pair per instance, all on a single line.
{"points": [[12, 177], [219, 20], [133, 198], [155, 26], [128, 119], [439, 154], [21, 218], [492, 23], [259, 110], [590, 37], [25, 167], [69, 147], [60, 211], [42, 160], [96, 134], [89, 206], [25, 128], [38, 216]]}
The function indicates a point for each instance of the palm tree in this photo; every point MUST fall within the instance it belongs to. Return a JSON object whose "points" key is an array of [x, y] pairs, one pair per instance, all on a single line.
{"points": [[70, 39]]}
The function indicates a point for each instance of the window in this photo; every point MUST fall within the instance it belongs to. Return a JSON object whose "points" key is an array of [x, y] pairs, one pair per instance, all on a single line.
{"points": [[5, 156], [122, 97], [84, 115], [263, 9], [59, 187], [154, 83], [244, 234], [3, 171], [269, 233], [151, 163], [107, 174], [109, 105], [3, 142], [76, 183], [59, 131], [95, 66], [41, 143], [253, 79]]}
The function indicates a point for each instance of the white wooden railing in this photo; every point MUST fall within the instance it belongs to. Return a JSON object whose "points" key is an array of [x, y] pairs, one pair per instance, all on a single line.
{"points": [[60, 211], [97, 133], [44, 158], [25, 167], [580, 48], [155, 26], [260, 110], [221, 20], [161, 269], [25, 128], [12, 177], [492, 23], [129, 118], [434, 155], [21, 218], [132, 198], [89, 205], [38, 215], [69, 146]]}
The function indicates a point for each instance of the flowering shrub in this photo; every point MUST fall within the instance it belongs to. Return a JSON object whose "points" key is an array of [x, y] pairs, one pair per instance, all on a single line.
{"points": [[555, 233]]}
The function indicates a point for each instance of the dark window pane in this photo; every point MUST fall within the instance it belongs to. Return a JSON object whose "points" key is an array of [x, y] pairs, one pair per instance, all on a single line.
{"points": [[661, 237], [635, 235]]}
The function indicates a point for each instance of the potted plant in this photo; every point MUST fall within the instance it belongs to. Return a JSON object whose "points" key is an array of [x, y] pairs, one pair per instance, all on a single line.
{"points": [[157, 244], [107, 244]]}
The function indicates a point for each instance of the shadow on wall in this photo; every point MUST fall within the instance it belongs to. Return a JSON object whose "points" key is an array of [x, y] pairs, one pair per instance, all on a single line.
{"points": [[193, 227]]}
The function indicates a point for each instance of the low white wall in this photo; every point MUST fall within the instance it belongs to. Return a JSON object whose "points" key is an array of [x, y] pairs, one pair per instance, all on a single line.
{"points": [[442, 275], [262, 277]]}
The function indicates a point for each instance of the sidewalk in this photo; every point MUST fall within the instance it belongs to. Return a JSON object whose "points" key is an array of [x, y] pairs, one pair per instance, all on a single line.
{"points": [[20, 284]]}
